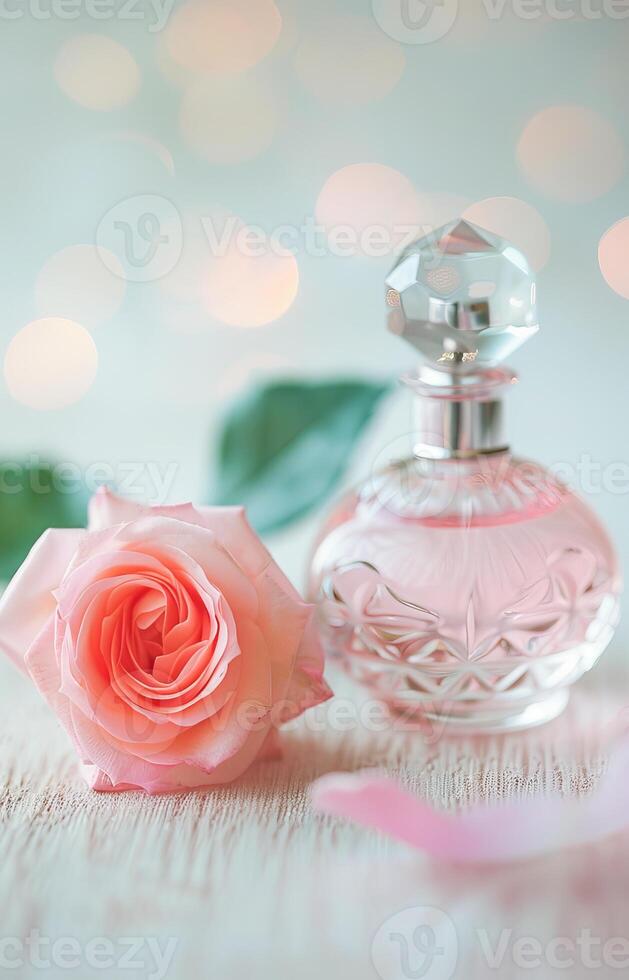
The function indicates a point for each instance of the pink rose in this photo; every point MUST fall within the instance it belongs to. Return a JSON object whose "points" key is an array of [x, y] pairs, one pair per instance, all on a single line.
{"points": [[167, 641]]}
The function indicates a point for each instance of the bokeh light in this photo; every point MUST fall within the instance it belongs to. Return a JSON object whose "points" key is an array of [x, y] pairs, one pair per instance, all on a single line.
{"points": [[291, 31], [97, 72], [347, 60], [472, 24], [183, 317], [171, 70], [228, 120], [50, 363], [613, 257], [77, 283], [436, 208], [518, 222], [609, 74], [250, 287], [570, 153], [147, 143], [204, 230], [376, 203], [222, 36]]}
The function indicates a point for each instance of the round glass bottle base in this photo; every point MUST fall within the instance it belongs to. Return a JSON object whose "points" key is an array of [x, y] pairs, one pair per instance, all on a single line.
{"points": [[488, 719]]}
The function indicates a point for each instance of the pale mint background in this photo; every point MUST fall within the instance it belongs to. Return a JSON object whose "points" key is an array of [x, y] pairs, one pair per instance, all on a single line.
{"points": [[451, 125]]}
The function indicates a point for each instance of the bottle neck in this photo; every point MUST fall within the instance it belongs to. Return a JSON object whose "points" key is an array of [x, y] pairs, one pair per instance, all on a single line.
{"points": [[458, 416]]}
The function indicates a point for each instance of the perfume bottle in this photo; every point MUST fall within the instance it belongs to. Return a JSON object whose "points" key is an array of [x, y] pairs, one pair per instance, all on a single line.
{"points": [[460, 582]]}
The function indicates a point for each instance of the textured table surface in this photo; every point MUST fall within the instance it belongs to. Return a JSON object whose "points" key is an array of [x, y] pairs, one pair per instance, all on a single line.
{"points": [[247, 882]]}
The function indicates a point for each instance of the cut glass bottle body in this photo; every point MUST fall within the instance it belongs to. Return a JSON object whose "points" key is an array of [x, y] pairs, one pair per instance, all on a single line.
{"points": [[472, 591]]}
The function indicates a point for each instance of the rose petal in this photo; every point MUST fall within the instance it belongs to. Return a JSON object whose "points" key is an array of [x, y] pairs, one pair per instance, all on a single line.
{"points": [[307, 687], [295, 650], [175, 779], [229, 524], [28, 600], [106, 509], [247, 714]]}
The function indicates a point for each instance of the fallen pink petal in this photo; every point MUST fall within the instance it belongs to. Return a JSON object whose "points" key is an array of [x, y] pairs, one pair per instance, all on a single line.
{"points": [[484, 834]]}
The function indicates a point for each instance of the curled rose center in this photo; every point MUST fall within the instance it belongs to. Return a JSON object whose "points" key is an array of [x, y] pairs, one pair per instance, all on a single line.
{"points": [[165, 642]]}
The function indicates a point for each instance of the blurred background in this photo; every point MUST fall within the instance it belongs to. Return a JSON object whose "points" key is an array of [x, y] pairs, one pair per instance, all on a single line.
{"points": [[203, 196]]}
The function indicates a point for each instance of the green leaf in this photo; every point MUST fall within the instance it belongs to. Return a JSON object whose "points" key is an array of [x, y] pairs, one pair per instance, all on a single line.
{"points": [[33, 498], [285, 446]]}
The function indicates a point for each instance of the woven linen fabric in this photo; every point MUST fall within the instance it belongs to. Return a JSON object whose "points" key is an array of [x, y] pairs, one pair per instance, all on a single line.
{"points": [[248, 882]]}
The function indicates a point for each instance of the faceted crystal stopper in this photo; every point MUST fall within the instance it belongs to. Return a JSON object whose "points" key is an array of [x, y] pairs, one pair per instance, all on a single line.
{"points": [[463, 297]]}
